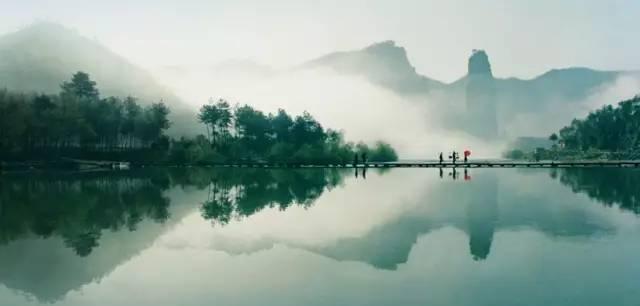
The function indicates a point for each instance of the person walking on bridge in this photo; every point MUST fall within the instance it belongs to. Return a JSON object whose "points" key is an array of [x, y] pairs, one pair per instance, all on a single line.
{"points": [[441, 159]]}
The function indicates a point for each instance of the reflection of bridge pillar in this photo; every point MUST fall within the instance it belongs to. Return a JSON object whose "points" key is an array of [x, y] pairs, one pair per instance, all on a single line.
{"points": [[482, 214]]}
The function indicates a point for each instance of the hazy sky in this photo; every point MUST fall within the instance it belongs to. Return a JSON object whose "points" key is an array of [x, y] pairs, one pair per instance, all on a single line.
{"points": [[523, 38]]}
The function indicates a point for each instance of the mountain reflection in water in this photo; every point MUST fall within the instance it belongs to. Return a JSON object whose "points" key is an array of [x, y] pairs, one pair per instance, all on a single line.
{"points": [[59, 232]]}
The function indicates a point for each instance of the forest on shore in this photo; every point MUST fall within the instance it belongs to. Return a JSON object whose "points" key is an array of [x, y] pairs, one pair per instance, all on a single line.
{"points": [[609, 133], [79, 123]]}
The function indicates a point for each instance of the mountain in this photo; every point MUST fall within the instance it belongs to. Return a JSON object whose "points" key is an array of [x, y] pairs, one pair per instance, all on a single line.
{"points": [[384, 64], [40, 57], [43, 55], [487, 105]]}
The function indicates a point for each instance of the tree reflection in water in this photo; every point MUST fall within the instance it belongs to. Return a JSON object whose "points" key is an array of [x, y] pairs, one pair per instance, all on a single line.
{"points": [[78, 207], [240, 193], [609, 186]]}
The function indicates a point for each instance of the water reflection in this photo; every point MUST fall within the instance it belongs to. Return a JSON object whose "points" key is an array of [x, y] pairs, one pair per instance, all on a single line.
{"points": [[79, 209], [482, 215], [240, 193], [472, 206], [609, 186], [60, 232]]}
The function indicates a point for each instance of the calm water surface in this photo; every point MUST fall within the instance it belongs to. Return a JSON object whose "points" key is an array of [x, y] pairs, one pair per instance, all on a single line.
{"points": [[321, 237]]}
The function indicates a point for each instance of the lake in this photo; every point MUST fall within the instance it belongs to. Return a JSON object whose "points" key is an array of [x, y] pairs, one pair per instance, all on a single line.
{"points": [[321, 237]]}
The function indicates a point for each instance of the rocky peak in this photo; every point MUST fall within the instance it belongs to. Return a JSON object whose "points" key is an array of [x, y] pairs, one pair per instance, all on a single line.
{"points": [[479, 63]]}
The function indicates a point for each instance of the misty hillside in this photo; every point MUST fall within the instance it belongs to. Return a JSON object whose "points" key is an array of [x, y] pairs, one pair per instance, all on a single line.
{"points": [[384, 64], [42, 56]]}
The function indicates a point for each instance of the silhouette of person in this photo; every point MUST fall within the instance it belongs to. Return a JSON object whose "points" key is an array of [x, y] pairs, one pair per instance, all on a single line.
{"points": [[441, 159], [454, 156], [355, 160], [465, 158]]}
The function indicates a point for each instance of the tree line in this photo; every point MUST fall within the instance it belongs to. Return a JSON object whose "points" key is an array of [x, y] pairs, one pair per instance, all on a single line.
{"points": [[611, 132], [242, 133], [608, 128], [78, 119], [78, 122]]}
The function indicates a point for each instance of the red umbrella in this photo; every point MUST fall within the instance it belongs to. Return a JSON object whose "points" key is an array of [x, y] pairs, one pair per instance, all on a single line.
{"points": [[467, 152]]}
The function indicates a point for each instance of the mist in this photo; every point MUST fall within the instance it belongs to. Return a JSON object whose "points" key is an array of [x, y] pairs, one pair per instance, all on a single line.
{"points": [[418, 126], [559, 111], [363, 111]]}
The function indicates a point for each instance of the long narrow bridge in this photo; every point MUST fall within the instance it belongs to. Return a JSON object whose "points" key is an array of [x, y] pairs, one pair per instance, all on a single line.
{"points": [[94, 166], [436, 164]]}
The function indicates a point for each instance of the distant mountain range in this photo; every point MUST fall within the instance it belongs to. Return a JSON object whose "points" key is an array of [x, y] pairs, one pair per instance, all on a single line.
{"points": [[41, 56], [387, 64], [488, 103]]}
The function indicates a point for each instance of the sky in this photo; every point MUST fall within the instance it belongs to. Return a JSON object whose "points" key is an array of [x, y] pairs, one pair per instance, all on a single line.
{"points": [[523, 38]]}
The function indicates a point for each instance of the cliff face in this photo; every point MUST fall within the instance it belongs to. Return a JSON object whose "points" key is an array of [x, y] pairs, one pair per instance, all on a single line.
{"points": [[480, 101]]}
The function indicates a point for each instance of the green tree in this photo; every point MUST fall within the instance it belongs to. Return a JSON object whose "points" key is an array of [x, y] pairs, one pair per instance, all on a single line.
{"points": [[217, 119], [81, 86], [608, 129], [254, 130]]}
